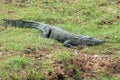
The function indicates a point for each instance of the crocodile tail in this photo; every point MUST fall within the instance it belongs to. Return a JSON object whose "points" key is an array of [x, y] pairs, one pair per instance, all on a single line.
{"points": [[20, 23]]}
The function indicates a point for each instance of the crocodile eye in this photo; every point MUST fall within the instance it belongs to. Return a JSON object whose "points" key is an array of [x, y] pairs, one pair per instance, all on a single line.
{"points": [[90, 38], [76, 38]]}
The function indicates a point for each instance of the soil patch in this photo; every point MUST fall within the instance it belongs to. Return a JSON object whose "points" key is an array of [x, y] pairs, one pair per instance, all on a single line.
{"points": [[6, 53], [90, 65], [63, 70], [114, 20], [93, 64], [38, 53]]}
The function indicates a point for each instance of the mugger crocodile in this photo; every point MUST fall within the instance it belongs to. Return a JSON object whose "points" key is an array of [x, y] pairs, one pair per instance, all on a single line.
{"points": [[69, 39]]}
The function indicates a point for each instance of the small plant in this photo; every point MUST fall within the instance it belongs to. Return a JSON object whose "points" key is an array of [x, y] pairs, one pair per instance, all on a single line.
{"points": [[106, 76], [47, 65], [63, 55], [18, 63], [77, 75]]}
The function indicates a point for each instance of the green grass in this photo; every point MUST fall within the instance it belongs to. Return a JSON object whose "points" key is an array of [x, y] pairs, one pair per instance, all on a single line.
{"points": [[16, 41], [20, 67], [99, 18]]}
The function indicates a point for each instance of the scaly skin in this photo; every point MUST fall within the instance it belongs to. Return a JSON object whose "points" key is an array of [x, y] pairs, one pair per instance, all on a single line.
{"points": [[69, 39]]}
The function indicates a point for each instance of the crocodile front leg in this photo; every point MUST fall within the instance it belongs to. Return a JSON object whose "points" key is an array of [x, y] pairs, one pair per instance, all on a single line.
{"points": [[68, 44]]}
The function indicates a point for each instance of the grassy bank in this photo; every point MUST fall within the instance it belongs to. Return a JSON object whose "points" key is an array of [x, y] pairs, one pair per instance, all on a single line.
{"points": [[25, 54]]}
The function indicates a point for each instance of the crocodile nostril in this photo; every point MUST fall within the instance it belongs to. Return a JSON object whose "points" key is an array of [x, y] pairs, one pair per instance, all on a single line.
{"points": [[101, 42]]}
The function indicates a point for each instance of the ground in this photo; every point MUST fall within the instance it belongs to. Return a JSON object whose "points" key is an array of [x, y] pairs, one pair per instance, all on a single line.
{"points": [[26, 55]]}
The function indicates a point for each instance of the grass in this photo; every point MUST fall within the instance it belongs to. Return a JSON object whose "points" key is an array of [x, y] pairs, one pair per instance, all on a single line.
{"points": [[99, 18]]}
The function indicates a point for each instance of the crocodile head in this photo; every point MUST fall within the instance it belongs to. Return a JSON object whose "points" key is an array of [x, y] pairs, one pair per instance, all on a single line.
{"points": [[89, 41]]}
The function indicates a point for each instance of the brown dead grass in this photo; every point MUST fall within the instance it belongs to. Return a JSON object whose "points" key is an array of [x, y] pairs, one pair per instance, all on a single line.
{"points": [[90, 65], [37, 53]]}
